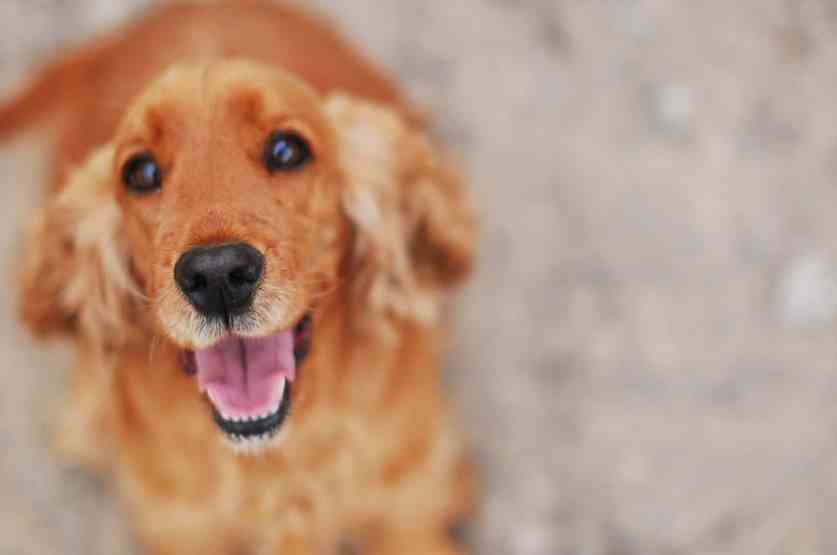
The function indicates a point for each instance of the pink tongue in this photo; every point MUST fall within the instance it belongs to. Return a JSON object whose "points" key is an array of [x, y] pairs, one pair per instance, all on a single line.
{"points": [[241, 375]]}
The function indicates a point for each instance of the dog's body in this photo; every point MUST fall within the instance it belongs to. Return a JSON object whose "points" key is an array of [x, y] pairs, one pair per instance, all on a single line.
{"points": [[368, 455]]}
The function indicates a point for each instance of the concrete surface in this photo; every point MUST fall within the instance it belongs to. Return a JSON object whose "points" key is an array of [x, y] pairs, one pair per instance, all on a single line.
{"points": [[647, 358]]}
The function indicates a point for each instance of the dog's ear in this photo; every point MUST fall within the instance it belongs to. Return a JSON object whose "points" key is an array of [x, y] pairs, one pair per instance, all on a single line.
{"points": [[414, 227], [75, 275]]}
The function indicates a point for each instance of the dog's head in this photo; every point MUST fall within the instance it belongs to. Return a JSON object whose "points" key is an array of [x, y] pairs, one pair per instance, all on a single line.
{"points": [[230, 202]]}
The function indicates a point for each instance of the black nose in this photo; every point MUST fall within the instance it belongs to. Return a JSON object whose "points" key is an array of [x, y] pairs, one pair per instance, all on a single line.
{"points": [[219, 280]]}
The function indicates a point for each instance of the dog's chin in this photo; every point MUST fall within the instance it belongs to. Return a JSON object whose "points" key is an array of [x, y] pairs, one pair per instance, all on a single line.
{"points": [[247, 382]]}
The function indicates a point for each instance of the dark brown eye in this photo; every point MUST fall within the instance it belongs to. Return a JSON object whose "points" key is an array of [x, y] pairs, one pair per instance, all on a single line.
{"points": [[286, 151], [141, 174]]}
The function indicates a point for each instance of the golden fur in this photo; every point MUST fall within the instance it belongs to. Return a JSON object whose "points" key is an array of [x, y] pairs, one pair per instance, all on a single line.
{"points": [[369, 237]]}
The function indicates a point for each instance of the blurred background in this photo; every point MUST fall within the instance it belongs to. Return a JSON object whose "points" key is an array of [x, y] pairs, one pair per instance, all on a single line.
{"points": [[646, 359]]}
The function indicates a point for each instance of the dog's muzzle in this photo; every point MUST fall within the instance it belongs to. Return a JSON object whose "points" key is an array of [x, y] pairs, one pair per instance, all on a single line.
{"points": [[246, 378]]}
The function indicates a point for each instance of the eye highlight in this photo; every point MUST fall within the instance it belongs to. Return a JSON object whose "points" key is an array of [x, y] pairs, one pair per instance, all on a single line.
{"points": [[286, 151], [141, 174]]}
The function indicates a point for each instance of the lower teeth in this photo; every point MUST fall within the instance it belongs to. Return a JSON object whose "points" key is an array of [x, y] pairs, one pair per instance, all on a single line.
{"points": [[255, 429], [280, 392], [253, 419]]}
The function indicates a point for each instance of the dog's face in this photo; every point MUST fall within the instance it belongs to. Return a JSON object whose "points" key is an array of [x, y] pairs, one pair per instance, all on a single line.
{"points": [[229, 186], [230, 198]]}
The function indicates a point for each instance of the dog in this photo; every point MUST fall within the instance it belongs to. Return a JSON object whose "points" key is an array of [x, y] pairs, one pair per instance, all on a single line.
{"points": [[249, 236]]}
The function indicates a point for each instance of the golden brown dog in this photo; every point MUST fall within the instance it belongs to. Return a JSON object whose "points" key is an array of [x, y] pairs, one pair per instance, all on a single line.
{"points": [[248, 237]]}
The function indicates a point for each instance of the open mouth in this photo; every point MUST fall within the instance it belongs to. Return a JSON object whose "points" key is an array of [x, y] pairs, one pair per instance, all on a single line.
{"points": [[247, 380]]}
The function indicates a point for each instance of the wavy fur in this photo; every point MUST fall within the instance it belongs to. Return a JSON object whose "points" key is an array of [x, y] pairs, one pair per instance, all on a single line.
{"points": [[369, 239]]}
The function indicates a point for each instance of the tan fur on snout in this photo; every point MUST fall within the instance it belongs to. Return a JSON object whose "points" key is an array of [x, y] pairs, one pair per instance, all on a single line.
{"points": [[368, 238]]}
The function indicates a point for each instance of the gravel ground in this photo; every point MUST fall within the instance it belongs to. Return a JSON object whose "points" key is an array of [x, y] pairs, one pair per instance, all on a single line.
{"points": [[646, 358]]}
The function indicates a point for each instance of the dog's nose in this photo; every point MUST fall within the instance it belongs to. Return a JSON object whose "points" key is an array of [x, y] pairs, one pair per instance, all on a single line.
{"points": [[219, 280]]}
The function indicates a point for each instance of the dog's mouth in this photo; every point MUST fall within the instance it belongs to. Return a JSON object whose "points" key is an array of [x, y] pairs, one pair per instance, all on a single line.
{"points": [[247, 381]]}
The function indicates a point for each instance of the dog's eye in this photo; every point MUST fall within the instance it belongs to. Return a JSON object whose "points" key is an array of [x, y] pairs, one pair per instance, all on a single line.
{"points": [[286, 151], [141, 174]]}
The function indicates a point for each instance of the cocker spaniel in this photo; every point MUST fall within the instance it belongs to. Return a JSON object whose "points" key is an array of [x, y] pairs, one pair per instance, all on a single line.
{"points": [[248, 235]]}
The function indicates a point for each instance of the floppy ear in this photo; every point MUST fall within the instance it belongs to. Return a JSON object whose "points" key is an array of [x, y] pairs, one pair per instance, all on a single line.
{"points": [[414, 227], [75, 276]]}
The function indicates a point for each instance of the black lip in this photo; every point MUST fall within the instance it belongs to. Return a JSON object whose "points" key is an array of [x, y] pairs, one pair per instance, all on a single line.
{"points": [[186, 359], [253, 428], [302, 339]]}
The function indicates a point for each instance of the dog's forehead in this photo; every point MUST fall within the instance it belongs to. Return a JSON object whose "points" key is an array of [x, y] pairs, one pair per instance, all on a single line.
{"points": [[211, 93]]}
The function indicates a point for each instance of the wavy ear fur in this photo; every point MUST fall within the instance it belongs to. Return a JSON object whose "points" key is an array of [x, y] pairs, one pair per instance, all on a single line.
{"points": [[75, 275], [414, 226]]}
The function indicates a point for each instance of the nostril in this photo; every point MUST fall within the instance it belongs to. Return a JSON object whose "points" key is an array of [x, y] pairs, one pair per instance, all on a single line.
{"points": [[194, 283], [244, 275]]}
